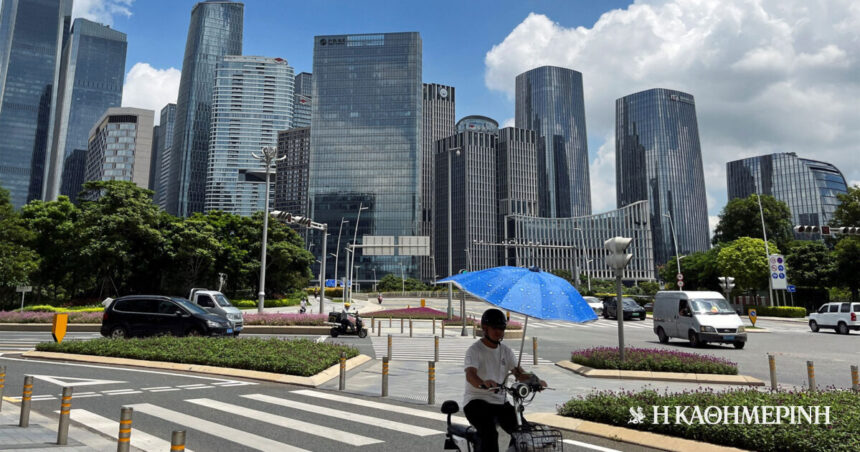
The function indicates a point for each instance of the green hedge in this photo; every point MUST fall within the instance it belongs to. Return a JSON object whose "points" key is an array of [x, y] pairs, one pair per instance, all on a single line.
{"points": [[778, 311], [49, 308], [614, 408], [274, 303], [330, 292], [291, 357], [655, 360]]}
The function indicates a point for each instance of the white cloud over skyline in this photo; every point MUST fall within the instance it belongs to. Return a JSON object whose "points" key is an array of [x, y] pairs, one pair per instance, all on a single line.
{"points": [[101, 11], [768, 76], [150, 88]]}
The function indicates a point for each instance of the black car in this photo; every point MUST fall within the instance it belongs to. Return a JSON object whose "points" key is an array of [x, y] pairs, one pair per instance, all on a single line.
{"points": [[149, 315], [632, 310]]}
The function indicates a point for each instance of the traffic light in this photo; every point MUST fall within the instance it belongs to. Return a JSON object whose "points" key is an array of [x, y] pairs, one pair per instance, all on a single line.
{"points": [[807, 229], [848, 230], [618, 257], [727, 283]]}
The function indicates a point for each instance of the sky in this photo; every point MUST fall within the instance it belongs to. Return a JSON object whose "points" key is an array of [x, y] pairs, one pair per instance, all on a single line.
{"points": [[767, 75]]}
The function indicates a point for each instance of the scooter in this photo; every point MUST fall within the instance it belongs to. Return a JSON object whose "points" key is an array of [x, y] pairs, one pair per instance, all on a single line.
{"points": [[528, 436], [343, 325]]}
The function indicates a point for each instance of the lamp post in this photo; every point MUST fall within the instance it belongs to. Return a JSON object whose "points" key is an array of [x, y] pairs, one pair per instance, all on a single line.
{"points": [[354, 239], [267, 156], [450, 231], [766, 250], [337, 249], [677, 253]]}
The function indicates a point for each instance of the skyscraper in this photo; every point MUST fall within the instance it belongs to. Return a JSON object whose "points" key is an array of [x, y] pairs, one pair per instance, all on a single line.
{"points": [[291, 186], [215, 31], [120, 146], [659, 159], [92, 69], [74, 171], [165, 146], [32, 35], [809, 187], [516, 181], [303, 98], [549, 100], [253, 100]]}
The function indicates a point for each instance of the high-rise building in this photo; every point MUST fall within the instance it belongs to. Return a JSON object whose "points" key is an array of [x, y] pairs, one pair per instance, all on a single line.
{"points": [[659, 159], [438, 117], [215, 31], [253, 100], [120, 146], [549, 100], [303, 98], [32, 35], [809, 187], [291, 186], [516, 180], [92, 69], [366, 140], [154, 159], [163, 159], [74, 171]]}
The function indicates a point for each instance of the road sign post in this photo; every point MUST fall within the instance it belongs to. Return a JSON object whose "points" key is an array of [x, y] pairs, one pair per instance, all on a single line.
{"points": [[23, 290], [753, 316]]}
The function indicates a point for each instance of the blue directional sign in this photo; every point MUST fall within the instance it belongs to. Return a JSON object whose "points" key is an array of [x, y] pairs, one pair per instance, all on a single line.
{"points": [[791, 288]]}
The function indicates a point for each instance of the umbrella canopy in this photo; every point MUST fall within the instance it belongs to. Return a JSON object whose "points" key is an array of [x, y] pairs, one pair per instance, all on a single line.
{"points": [[528, 291]]}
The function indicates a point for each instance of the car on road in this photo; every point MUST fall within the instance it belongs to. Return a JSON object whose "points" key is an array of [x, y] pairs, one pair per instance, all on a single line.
{"points": [[841, 316], [699, 317], [216, 303], [631, 308], [150, 315], [595, 304]]}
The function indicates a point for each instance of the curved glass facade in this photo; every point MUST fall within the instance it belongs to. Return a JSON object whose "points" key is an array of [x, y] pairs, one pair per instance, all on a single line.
{"points": [[549, 100], [658, 158], [215, 31], [366, 140], [476, 123]]}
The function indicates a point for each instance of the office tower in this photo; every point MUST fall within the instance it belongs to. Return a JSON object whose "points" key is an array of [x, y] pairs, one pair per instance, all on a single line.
{"points": [[74, 170], [366, 140], [477, 123], [291, 186], [516, 181], [92, 69], [659, 159], [215, 31], [120, 146], [438, 117], [253, 100], [302, 100], [32, 35], [549, 100], [154, 159], [809, 187], [163, 159]]}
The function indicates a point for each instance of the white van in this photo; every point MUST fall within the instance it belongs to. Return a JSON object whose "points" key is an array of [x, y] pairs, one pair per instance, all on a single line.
{"points": [[216, 303], [699, 317]]}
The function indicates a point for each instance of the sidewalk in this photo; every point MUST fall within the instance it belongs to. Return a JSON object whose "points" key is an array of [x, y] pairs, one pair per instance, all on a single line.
{"points": [[41, 435]]}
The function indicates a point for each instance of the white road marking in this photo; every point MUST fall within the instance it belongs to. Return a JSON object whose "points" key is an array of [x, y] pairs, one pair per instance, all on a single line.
{"points": [[380, 406], [155, 387], [347, 415], [73, 381], [164, 390], [589, 446], [285, 422], [320, 339], [211, 428], [110, 427]]}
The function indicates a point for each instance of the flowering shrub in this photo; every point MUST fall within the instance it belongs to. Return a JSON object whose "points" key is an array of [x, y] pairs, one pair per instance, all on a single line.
{"points": [[655, 360], [285, 319], [48, 317]]}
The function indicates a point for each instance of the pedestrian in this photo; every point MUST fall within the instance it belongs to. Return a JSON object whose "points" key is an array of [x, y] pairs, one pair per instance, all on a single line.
{"points": [[379, 298], [304, 305]]}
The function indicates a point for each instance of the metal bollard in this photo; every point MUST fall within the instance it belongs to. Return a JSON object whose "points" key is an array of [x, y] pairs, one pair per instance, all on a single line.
{"points": [[771, 361], [372, 324], [431, 382], [434, 327], [443, 328], [855, 379], [384, 376], [177, 441], [810, 371], [342, 383], [389, 322], [65, 409], [410, 327], [25, 401], [2, 384], [401, 325], [389, 346], [534, 349], [379, 330], [123, 440], [436, 348], [474, 331]]}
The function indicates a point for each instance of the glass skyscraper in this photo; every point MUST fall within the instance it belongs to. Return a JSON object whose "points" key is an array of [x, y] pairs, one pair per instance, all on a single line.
{"points": [[658, 158], [163, 159], [303, 98], [291, 186], [809, 187], [215, 31], [92, 69], [253, 100], [549, 100], [32, 35], [366, 140]]}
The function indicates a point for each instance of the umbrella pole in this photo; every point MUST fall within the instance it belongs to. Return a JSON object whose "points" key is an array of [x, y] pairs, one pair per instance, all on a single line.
{"points": [[523, 341]]}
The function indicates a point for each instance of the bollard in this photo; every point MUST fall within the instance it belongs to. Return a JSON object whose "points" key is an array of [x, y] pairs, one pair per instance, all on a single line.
{"points": [[810, 371], [401, 325], [384, 376], [855, 379], [389, 322], [431, 382], [389, 346], [65, 409], [372, 324], [410, 327], [474, 331], [508, 315], [342, 383], [423, 303], [434, 327], [771, 361], [25, 401], [123, 440], [379, 330], [443, 328], [534, 349], [436, 348], [177, 441], [2, 384]]}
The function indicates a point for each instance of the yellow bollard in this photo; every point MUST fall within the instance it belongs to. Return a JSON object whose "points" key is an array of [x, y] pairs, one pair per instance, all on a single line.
{"points": [[423, 303], [124, 437]]}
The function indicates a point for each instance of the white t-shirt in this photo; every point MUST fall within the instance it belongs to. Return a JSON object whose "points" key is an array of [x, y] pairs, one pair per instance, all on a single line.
{"points": [[492, 364]]}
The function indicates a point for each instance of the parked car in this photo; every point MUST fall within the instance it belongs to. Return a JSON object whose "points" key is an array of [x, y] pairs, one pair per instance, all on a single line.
{"points": [[149, 315], [699, 317], [216, 303], [842, 317], [631, 308], [595, 304]]}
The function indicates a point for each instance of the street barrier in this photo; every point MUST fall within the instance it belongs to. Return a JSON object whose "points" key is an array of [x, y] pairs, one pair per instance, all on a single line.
{"points": [[434, 327], [2, 384], [810, 371], [431, 382], [65, 409], [401, 325], [177, 441], [410, 327], [389, 347], [384, 376], [534, 349], [25, 401], [443, 328], [342, 383], [379, 330], [123, 440], [771, 361], [436, 348], [855, 379]]}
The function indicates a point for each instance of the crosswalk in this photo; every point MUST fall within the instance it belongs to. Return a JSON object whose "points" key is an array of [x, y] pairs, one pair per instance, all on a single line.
{"points": [[22, 342], [600, 323], [451, 350]]}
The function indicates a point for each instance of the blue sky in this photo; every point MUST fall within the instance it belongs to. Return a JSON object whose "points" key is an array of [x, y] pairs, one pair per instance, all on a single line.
{"points": [[768, 75]]}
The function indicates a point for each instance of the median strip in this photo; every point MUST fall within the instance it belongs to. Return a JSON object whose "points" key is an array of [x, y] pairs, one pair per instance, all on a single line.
{"points": [[589, 372]]}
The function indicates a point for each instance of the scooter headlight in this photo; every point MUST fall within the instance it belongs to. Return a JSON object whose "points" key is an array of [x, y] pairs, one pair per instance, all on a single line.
{"points": [[521, 390]]}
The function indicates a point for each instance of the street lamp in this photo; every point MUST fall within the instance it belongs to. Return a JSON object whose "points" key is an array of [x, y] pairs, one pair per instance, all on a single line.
{"points": [[306, 222], [677, 253], [337, 249], [267, 156], [354, 239], [450, 231]]}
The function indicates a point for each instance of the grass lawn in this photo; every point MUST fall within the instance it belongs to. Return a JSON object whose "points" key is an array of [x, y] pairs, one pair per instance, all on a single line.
{"points": [[655, 360]]}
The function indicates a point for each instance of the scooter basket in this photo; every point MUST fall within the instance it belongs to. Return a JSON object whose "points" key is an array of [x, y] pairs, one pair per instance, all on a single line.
{"points": [[536, 437], [334, 317]]}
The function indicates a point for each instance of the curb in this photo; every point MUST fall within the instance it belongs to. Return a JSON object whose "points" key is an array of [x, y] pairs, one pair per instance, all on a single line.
{"points": [[312, 381], [588, 372], [757, 330], [627, 435], [96, 327]]}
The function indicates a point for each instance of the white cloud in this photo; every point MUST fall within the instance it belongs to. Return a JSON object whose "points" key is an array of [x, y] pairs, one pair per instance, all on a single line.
{"points": [[713, 221], [101, 11], [602, 176], [150, 88], [768, 76], [510, 122]]}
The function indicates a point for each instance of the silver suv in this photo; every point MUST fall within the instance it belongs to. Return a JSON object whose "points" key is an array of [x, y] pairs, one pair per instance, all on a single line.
{"points": [[842, 317]]}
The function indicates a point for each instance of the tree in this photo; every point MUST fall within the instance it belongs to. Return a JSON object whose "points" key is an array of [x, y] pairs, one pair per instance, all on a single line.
{"points": [[741, 218], [700, 271], [563, 274], [389, 283], [809, 264], [746, 261], [191, 249], [847, 265], [847, 213], [17, 261]]}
